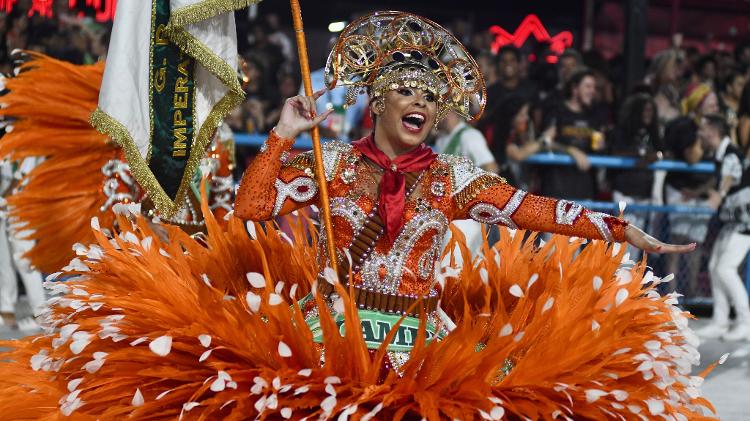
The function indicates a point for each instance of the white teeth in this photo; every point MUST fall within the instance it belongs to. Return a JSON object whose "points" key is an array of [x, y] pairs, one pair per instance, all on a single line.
{"points": [[417, 116]]}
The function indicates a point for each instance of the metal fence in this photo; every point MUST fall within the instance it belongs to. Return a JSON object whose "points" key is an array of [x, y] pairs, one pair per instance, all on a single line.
{"points": [[691, 271]]}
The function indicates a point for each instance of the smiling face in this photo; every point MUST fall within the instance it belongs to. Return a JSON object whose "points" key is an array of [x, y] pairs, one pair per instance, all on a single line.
{"points": [[404, 119]]}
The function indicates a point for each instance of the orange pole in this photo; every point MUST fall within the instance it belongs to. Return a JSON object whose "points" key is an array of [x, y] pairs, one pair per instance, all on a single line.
{"points": [[325, 207]]}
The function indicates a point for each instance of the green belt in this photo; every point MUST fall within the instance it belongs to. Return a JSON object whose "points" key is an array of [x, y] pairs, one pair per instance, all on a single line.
{"points": [[375, 328]]}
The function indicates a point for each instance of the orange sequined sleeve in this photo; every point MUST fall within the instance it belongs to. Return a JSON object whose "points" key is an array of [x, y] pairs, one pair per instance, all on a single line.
{"points": [[488, 199], [272, 186]]}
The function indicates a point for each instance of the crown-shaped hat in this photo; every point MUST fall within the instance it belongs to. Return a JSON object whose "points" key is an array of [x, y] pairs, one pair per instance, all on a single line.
{"points": [[384, 51]]}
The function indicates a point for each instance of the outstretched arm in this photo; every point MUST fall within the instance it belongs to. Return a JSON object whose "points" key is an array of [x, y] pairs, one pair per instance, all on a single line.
{"points": [[501, 203], [272, 185]]}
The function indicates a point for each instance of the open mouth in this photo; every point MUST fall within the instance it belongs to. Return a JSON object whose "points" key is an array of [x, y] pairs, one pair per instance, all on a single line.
{"points": [[413, 122]]}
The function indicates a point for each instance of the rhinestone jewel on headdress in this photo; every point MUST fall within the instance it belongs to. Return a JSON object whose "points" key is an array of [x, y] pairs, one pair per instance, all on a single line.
{"points": [[389, 50]]}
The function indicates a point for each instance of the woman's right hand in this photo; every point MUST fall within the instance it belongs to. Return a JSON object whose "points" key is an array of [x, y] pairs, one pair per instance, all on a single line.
{"points": [[298, 115]]}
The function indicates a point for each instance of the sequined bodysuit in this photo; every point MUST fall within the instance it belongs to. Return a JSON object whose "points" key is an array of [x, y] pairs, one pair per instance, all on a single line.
{"points": [[451, 188]]}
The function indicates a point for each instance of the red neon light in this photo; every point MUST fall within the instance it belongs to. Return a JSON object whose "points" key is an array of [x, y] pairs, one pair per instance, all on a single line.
{"points": [[104, 9], [7, 5], [531, 25], [41, 7]]}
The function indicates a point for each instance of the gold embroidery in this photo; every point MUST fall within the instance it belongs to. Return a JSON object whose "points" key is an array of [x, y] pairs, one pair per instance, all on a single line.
{"points": [[302, 161], [477, 186], [206, 10]]}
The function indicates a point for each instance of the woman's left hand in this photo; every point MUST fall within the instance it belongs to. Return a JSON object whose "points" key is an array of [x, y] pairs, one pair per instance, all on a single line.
{"points": [[636, 237]]}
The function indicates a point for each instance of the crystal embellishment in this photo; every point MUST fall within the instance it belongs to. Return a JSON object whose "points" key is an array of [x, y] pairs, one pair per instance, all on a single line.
{"points": [[393, 264], [597, 218], [437, 188], [490, 214], [301, 189], [567, 212]]}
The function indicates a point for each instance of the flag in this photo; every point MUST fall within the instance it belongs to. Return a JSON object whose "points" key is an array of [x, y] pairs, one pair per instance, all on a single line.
{"points": [[169, 81]]}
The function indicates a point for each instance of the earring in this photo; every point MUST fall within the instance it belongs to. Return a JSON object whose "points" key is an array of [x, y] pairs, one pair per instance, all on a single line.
{"points": [[379, 107]]}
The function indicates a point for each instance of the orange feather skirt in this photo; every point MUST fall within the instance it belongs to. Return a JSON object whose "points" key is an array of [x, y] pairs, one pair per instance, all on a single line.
{"points": [[150, 323]]}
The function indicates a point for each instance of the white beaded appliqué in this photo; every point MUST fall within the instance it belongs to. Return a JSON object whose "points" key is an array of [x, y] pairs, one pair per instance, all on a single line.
{"points": [[490, 214], [463, 171], [332, 153], [597, 218], [395, 261], [291, 190], [347, 209], [567, 212], [113, 170]]}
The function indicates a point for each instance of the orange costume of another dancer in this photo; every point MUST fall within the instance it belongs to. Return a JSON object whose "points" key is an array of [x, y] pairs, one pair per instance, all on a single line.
{"points": [[83, 174]]}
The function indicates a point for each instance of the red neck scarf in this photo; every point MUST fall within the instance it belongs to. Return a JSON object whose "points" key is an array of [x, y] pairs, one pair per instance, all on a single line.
{"points": [[393, 184]]}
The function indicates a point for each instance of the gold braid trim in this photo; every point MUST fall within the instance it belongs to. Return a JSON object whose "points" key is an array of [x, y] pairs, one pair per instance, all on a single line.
{"points": [[481, 183], [207, 58], [234, 96], [106, 124], [302, 161], [205, 10]]}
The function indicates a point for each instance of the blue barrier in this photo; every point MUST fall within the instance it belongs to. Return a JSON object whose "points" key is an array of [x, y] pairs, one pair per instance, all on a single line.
{"points": [[638, 208], [599, 161]]}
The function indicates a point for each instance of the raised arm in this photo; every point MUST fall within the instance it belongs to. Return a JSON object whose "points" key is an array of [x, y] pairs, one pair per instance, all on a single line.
{"points": [[272, 185]]}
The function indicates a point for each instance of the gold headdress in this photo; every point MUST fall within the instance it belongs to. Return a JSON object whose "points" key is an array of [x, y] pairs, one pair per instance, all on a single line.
{"points": [[383, 51]]}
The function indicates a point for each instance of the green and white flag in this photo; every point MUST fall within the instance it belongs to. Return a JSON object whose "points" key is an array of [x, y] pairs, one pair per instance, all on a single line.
{"points": [[169, 81]]}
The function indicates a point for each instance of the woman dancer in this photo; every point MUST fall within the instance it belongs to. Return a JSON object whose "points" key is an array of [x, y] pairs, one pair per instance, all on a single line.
{"points": [[158, 329]]}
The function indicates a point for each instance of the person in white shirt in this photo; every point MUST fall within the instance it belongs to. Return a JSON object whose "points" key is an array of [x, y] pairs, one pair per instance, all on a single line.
{"points": [[12, 249], [460, 139], [733, 241]]}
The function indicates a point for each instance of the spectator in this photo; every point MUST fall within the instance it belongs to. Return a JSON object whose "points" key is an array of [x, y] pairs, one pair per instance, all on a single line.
{"points": [[729, 101], [725, 67], [687, 189], [278, 38], [486, 63], [663, 79], [604, 99], [706, 70], [743, 118], [288, 87], [510, 82], [460, 139], [262, 51], [577, 134], [733, 241], [636, 135], [742, 54], [699, 100], [569, 62], [513, 137]]}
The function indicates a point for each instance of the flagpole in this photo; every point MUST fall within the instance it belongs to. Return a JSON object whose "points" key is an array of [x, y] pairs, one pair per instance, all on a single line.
{"points": [[325, 208]]}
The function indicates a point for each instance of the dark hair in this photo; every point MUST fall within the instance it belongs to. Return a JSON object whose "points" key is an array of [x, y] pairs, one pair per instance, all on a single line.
{"points": [[575, 79], [739, 48], [704, 60], [572, 53], [630, 119], [679, 135], [717, 122], [729, 80], [509, 49], [503, 116]]}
